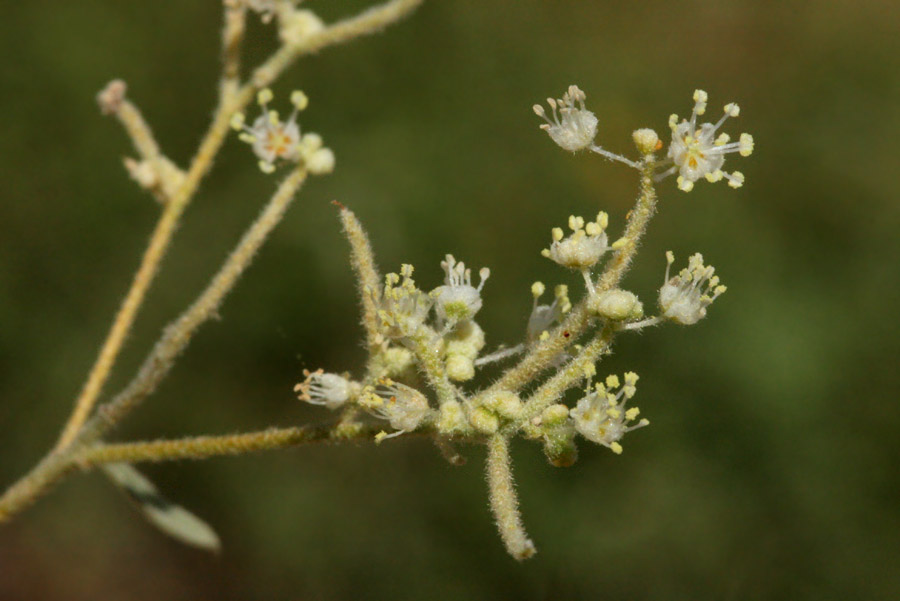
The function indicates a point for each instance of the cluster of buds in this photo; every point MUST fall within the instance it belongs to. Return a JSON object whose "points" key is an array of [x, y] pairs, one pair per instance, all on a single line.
{"points": [[432, 338], [274, 140]]}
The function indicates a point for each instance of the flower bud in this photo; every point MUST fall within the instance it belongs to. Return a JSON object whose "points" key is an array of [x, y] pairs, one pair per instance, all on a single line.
{"points": [[505, 403], [646, 140], [616, 305], [484, 420]]}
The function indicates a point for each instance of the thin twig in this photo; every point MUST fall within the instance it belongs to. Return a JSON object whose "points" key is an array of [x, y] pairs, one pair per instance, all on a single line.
{"points": [[204, 447], [369, 21], [160, 360]]}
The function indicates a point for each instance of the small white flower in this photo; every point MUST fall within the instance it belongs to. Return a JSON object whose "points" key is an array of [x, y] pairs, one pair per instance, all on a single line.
{"points": [[601, 417], [684, 297], [320, 388], [573, 127], [404, 407], [402, 307], [275, 140], [583, 247], [697, 152], [458, 300], [543, 317]]}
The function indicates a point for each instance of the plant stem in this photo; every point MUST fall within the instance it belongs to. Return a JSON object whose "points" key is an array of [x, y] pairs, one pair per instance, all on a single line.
{"points": [[156, 366], [204, 447], [543, 354], [504, 502], [366, 22]]}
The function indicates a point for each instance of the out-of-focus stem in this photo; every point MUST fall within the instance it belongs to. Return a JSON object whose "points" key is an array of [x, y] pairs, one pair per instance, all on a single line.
{"points": [[235, 18], [366, 22], [160, 360]]}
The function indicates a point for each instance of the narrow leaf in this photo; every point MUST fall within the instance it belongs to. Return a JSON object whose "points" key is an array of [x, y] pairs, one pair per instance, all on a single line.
{"points": [[172, 519]]}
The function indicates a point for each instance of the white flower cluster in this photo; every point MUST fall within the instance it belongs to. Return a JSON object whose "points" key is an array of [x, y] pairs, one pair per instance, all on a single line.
{"points": [[601, 417], [457, 300], [275, 140], [402, 307], [402, 406], [581, 249], [573, 127], [684, 297]]}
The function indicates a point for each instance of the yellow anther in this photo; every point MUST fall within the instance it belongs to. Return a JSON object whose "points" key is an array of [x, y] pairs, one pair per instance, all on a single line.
{"points": [[264, 96], [299, 100]]}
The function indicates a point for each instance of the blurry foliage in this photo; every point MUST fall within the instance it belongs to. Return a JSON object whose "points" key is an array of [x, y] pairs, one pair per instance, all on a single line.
{"points": [[770, 468]]}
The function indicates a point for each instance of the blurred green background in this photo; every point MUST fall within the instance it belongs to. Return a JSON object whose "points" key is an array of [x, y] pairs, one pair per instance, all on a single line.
{"points": [[770, 469]]}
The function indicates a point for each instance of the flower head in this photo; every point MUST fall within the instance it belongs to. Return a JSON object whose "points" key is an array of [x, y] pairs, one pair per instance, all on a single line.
{"points": [[601, 417], [275, 140], [684, 297], [320, 388], [404, 407], [458, 300], [697, 151], [573, 127], [583, 247], [402, 307]]}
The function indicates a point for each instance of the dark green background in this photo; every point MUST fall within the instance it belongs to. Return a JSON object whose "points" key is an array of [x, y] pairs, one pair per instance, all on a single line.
{"points": [[770, 469]]}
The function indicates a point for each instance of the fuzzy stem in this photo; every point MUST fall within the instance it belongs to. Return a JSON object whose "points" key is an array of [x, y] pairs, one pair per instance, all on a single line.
{"points": [[367, 22], [543, 354], [504, 503], [156, 366], [204, 447], [427, 353], [574, 372], [178, 334], [138, 130], [369, 280], [235, 19]]}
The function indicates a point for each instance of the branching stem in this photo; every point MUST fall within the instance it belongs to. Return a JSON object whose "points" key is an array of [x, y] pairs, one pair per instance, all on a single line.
{"points": [[543, 353]]}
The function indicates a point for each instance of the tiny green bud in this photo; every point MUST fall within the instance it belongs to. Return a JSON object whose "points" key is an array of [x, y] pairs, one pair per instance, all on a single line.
{"points": [[460, 368], [555, 415], [452, 419], [507, 404], [484, 420]]}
